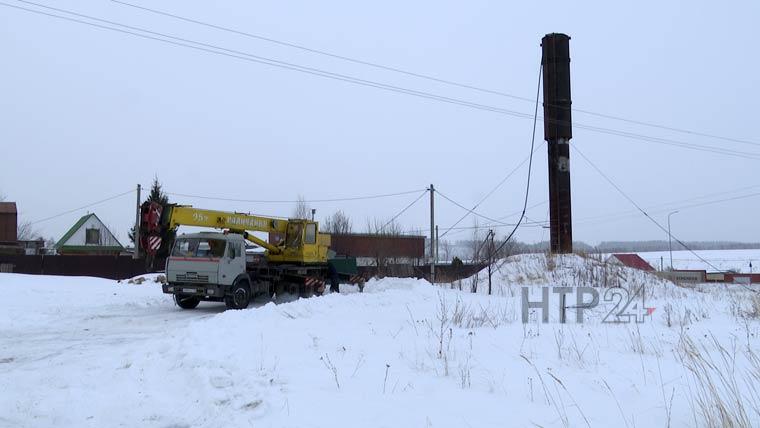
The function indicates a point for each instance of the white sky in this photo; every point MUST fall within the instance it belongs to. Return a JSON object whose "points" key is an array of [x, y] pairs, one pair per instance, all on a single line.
{"points": [[88, 113]]}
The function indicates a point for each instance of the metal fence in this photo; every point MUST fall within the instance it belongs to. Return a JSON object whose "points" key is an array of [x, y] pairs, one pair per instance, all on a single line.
{"points": [[111, 267]]}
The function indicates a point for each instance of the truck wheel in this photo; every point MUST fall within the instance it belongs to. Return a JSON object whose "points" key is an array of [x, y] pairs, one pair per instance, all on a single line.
{"points": [[186, 302], [239, 296]]}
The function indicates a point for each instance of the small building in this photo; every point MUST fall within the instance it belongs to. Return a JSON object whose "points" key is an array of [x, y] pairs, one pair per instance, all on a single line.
{"points": [[8, 222], [34, 247], [684, 275], [630, 260], [9, 229], [89, 236], [379, 250]]}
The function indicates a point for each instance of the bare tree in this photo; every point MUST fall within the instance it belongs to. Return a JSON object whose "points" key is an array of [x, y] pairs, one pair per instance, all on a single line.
{"points": [[27, 232], [378, 226], [338, 223], [446, 247], [475, 254], [302, 210]]}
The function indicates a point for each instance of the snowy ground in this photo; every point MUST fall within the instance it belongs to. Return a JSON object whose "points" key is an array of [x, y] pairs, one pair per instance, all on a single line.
{"points": [[85, 352]]}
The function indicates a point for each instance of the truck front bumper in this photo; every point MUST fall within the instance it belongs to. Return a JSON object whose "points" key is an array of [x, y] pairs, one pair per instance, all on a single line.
{"points": [[200, 290]]}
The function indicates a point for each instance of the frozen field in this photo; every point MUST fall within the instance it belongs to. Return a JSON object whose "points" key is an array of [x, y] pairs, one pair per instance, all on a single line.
{"points": [[724, 260], [85, 352]]}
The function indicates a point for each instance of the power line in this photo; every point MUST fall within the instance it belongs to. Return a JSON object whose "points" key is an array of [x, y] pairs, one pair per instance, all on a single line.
{"points": [[499, 184], [666, 205], [469, 211], [83, 207], [669, 142], [218, 50], [612, 217], [612, 183], [530, 162], [205, 47], [419, 75], [403, 210], [311, 201]]}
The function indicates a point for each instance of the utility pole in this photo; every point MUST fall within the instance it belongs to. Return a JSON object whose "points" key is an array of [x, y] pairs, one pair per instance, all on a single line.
{"points": [[436, 243], [490, 258], [670, 240], [136, 254], [557, 133], [432, 234]]}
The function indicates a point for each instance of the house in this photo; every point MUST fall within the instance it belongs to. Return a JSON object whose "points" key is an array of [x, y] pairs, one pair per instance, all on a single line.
{"points": [[89, 236], [630, 260]]}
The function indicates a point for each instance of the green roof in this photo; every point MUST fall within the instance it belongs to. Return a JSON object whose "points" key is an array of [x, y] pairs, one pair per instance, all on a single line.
{"points": [[76, 227]]}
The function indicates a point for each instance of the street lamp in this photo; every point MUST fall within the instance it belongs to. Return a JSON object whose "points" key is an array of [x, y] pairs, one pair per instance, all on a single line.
{"points": [[670, 240]]}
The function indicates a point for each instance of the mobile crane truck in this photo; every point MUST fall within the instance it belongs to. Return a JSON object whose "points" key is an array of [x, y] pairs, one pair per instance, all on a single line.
{"points": [[214, 266]]}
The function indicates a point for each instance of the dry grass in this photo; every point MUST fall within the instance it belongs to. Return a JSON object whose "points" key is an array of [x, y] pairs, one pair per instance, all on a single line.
{"points": [[722, 392]]}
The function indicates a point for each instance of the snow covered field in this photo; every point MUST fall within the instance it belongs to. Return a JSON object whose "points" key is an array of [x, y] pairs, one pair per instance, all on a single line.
{"points": [[86, 352], [724, 260]]}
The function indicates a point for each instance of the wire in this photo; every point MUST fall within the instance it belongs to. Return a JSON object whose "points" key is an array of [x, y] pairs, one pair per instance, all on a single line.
{"points": [[205, 47], [420, 75], [83, 207], [609, 180], [499, 184], [262, 201], [218, 50], [612, 217], [670, 205], [469, 211], [404, 210], [530, 162]]}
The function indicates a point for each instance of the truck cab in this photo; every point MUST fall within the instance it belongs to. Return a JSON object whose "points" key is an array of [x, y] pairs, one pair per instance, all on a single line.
{"points": [[204, 266]]}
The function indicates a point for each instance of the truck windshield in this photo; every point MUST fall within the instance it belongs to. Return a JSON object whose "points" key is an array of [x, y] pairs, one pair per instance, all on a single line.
{"points": [[199, 247]]}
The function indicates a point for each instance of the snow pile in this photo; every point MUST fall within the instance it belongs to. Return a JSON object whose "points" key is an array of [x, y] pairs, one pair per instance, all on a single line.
{"points": [[96, 353]]}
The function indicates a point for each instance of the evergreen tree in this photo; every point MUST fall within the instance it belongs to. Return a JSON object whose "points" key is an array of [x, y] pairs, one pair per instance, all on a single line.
{"points": [[156, 195]]}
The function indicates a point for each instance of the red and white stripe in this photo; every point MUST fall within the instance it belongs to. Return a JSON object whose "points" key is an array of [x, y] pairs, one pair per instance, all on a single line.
{"points": [[154, 242], [313, 281]]}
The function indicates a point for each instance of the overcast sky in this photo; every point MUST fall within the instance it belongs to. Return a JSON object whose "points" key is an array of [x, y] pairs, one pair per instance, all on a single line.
{"points": [[88, 113]]}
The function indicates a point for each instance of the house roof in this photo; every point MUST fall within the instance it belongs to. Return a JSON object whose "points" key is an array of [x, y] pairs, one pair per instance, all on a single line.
{"points": [[8, 208], [634, 261], [66, 236]]}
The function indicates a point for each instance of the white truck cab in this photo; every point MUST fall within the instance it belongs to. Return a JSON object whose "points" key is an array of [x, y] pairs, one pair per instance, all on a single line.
{"points": [[205, 266]]}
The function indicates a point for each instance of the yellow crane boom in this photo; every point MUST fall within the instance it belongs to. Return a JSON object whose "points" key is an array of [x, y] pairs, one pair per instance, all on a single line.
{"points": [[303, 243], [234, 222]]}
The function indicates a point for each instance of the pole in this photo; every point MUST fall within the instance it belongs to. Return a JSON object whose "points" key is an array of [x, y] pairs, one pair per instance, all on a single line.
{"points": [[490, 258], [136, 254], [436, 243], [432, 234], [670, 240], [557, 133]]}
